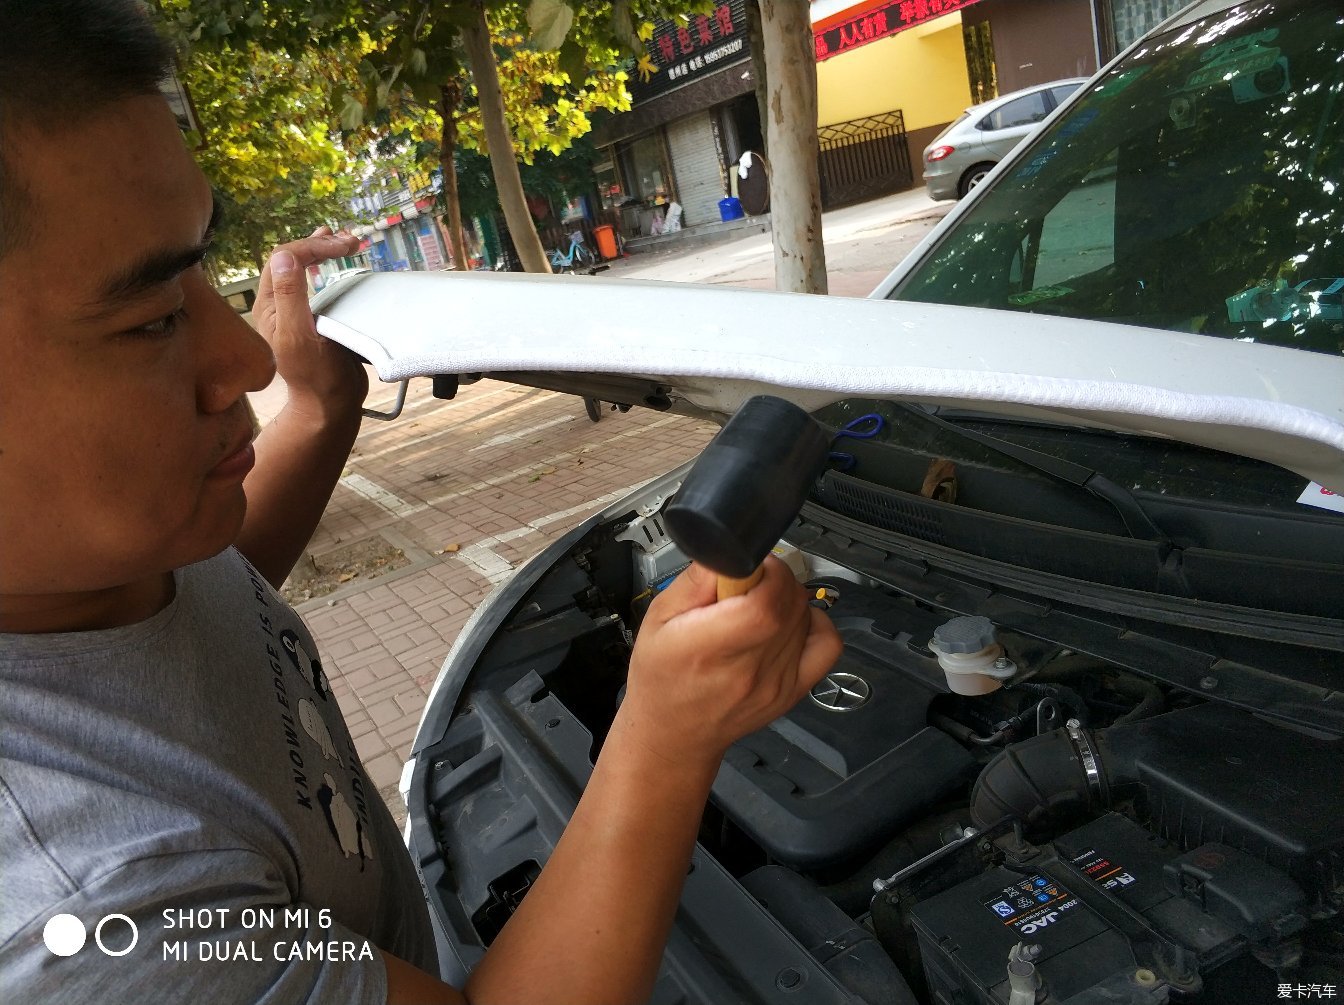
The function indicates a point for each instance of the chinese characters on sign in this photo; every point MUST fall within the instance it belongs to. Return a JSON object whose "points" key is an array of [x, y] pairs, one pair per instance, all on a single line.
{"points": [[1306, 991], [679, 52], [880, 22]]}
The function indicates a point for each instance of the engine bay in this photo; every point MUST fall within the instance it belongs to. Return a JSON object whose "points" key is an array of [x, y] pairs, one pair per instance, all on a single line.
{"points": [[1078, 831]]}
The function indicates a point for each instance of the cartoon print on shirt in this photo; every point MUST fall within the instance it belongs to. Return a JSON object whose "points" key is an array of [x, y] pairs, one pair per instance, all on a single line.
{"points": [[316, 727], [307, 665], [345, 825]]}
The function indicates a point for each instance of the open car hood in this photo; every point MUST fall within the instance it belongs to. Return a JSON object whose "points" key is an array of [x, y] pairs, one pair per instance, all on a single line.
{"points": [[705, 349]]}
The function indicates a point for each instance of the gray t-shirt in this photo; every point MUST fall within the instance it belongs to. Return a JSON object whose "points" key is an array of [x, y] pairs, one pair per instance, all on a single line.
{"points": [[193, 774]]}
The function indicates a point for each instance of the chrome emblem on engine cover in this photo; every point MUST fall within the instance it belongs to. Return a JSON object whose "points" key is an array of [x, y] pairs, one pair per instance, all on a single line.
{"points": [[841, 692]]}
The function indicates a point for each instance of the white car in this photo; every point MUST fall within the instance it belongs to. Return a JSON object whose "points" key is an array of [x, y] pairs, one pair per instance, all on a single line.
{"points": [[1102, 471], [962, 154]]}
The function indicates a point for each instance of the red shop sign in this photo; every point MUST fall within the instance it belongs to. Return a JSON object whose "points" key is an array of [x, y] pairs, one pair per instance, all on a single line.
{"points": [[879, 21]]}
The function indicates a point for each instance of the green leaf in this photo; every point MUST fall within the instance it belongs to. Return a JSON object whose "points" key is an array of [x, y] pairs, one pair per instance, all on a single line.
{"points": [[574, 62], [623, 27], [550, 21], [351, 113], [416, 63], [425, 90]]}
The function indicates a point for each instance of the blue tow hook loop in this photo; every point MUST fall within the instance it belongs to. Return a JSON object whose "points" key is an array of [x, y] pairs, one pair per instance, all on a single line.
{"points": [[865, 427]]}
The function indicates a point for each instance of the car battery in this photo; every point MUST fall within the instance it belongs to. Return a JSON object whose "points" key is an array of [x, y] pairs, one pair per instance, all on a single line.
{"points": [[1104, 893]]}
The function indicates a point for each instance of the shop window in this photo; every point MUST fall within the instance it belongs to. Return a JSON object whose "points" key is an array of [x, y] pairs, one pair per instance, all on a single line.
{"points": [[1131, 19], [609, 181], [647, 176]]}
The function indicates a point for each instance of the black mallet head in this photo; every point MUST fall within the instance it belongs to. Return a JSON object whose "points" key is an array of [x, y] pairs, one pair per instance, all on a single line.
{"points": [[747, 486]]}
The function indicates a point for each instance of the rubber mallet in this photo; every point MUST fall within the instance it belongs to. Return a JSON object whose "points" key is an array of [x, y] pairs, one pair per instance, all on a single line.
{"points": [[746, 488]]}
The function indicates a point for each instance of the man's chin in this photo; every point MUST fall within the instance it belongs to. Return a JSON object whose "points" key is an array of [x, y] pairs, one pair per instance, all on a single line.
{"points": [[214, 532]]}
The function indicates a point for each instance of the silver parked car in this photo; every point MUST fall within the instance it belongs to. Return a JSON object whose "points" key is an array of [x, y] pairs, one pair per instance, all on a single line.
{"points": [[963, 153]]}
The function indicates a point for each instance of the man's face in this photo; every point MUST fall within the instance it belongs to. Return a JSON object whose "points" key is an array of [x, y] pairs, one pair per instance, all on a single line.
{"points": [[123, 430]]}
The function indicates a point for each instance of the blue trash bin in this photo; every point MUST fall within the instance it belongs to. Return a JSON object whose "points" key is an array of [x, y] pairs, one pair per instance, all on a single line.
{"points": [[730, 209]]}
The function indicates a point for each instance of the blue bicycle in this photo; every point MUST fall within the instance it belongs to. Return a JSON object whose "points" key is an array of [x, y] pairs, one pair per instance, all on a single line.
{"points": [[575, 256]]}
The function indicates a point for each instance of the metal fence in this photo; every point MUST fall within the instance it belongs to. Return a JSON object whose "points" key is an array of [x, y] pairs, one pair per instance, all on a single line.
{"points": [[863, 158]]}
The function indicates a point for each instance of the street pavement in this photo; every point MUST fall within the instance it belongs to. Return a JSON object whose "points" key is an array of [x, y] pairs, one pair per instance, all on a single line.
{"points": [[863, 244], [468, 489]]}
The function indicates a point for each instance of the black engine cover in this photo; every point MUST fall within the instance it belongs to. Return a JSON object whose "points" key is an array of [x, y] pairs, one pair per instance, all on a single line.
{"points": [[823, 784]]}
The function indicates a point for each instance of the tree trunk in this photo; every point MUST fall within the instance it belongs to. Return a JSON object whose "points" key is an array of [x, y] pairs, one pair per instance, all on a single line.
{"points": [[503, 161], [254, 249], [795, 191], [450, 95]]}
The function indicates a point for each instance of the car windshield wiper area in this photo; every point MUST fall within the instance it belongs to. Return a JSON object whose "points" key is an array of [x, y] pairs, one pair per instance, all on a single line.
{"points": [[896, 424], [932, 479], [1131, 512]]}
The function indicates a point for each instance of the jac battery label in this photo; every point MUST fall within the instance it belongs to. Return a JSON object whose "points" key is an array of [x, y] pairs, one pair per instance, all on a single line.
{"points": [[1032, 904], [1102, 871]]}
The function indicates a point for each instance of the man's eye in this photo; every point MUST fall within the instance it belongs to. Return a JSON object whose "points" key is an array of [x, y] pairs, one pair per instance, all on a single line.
{"points": [[161, 328]]}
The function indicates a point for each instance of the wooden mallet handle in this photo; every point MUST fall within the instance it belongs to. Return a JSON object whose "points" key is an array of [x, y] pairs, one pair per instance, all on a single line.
{"points": [[729, 587]]}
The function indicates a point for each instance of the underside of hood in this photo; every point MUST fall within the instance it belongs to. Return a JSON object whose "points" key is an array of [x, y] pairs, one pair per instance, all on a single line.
{"points": [[704, 350]]}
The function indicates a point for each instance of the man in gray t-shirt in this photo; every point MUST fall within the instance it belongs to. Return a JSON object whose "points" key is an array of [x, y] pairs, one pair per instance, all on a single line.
{"points": [[217, 772], [182, 815]]}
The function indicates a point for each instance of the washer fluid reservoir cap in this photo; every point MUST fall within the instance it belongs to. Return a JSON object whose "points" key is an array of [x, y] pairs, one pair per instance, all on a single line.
{"points": [[964, 635]]}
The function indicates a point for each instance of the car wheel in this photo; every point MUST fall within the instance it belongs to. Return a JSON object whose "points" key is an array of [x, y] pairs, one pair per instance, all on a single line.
{"points": [[972, 178]]}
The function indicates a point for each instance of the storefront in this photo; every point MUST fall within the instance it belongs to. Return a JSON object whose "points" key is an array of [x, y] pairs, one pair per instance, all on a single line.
{"points": [[930, 59], [890, 74], [1033, 41], [403, 235], [409, 240], [666, 161], [897, 59]]}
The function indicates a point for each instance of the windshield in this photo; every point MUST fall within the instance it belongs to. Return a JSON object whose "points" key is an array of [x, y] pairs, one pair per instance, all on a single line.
{"points": [[1194, 188]]}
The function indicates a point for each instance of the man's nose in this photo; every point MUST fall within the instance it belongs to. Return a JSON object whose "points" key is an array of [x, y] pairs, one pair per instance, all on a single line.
{"points": [[235, 357]]}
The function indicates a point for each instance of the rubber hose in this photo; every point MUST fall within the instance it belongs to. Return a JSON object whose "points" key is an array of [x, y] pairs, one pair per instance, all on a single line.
{"points": [[965, 734], [1031, 781], [1149, 696], [1150, 699], [1037, 779], [1066, 696]]}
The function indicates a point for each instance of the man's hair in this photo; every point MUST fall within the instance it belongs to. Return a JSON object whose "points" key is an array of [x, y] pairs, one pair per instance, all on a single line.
{"points": [[62, 61]]}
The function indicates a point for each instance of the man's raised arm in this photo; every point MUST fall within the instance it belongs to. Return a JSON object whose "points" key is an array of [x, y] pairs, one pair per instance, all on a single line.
{"points": [[301, 453]]}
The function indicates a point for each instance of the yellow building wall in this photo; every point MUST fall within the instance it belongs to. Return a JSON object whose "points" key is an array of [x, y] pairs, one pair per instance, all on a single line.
{"points": [[921, 71]]}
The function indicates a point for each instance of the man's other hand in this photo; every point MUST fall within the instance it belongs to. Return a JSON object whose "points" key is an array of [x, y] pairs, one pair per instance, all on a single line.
{"points": [[324, 378]]}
